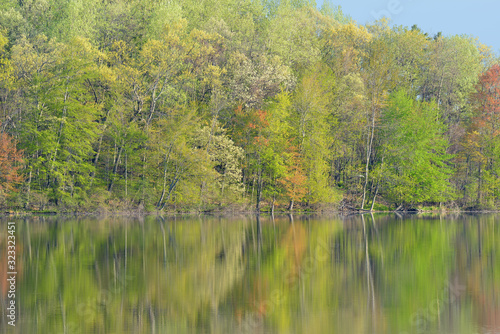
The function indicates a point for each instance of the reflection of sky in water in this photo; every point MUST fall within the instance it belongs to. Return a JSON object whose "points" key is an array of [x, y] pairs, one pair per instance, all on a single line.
{"points": [[381, 274]]}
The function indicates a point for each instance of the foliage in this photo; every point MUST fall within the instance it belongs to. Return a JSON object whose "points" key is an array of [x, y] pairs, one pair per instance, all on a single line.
{"points": [[414, 166], [10, 165], [480, 145]]}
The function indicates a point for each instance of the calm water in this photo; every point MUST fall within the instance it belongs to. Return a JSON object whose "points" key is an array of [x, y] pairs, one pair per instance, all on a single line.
{"points": [[362, 274]]}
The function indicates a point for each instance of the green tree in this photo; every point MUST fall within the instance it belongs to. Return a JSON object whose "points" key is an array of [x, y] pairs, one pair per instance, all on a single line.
{"points": [[292, 36], [312, 120], [226, 159], [58, 125], [415, 167], [454, 66]]}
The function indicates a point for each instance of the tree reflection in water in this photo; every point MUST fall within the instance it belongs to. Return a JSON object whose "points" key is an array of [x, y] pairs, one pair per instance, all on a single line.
{"points": [[279, 274]]}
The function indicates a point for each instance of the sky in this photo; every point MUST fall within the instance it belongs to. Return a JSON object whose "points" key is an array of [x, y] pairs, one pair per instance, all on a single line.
{"points": [[479, 18]]}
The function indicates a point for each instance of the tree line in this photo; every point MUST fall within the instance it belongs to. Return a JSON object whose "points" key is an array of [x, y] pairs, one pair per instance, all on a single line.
{"points": [[236, 104]]}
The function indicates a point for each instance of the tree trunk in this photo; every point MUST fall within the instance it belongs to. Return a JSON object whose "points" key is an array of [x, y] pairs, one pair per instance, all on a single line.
{"points": [[368, 155], [26, 206], [374, 196], [92, 175], [173, 184], [158, 205], [98, 153], [479, 194], [259, 192], [126, 175], [376, 187], [272, 205], [165, 167], [115, 168], [202, 189]]}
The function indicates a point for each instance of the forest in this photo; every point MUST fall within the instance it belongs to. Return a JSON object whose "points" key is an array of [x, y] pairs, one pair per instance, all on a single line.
{"points": [[240, 105]]}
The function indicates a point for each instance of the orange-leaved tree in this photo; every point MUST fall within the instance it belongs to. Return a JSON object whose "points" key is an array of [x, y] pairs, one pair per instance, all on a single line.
{"points": [[10, 163], [295, 179], [482, 141]]}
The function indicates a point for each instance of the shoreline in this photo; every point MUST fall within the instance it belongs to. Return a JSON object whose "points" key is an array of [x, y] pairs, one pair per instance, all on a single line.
{"points": [[131, 213]]}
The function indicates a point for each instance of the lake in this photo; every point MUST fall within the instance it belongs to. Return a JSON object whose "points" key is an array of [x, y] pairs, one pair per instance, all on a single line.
{"points": [[383, 273]]}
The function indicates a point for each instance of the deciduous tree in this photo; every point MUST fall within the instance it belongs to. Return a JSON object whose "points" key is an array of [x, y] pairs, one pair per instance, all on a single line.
{"points": [[10, 164]]}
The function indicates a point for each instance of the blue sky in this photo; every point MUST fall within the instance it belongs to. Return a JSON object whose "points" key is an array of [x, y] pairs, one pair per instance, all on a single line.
{"points": [[477, 18]]}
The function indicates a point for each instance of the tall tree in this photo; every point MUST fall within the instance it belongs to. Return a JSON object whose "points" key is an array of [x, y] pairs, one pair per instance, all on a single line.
{"points": [[58, 119], [415, 167], [478, 162], [312, 121], [10, 165], [454, 66]]}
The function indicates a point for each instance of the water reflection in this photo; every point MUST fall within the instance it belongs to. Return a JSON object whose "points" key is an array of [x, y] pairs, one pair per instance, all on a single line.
{"points": [[278, 274]]}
